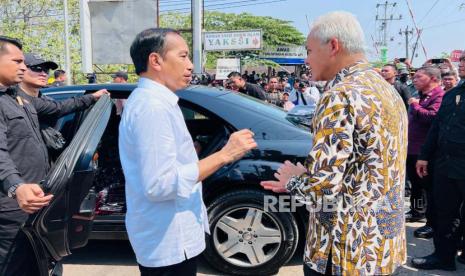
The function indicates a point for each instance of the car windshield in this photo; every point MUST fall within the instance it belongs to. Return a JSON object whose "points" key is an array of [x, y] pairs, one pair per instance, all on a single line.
{"points": [[252, 103]]}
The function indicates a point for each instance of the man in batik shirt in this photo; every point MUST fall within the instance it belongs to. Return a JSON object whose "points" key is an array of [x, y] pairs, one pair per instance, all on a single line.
{"points": [[354, 175]]}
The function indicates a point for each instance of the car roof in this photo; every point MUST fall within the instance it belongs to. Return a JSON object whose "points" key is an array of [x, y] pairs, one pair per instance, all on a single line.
{"points": [[123, 88]]}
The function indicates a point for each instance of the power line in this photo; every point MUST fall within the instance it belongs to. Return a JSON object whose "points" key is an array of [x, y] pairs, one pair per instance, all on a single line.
{"points": [[247, 5], [169, 4], [427, 13], [228, 5], [444, 24]]}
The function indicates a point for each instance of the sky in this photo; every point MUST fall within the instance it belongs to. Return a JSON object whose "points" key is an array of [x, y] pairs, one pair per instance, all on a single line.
{"points": [[443, 21]]}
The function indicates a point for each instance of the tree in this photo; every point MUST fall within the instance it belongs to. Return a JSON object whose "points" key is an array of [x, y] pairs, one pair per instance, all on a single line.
{"points": [[276, 32], [39, 25]]}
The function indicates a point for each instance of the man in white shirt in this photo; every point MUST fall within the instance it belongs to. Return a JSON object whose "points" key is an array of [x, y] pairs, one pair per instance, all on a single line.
{"points": [[166, 217]]}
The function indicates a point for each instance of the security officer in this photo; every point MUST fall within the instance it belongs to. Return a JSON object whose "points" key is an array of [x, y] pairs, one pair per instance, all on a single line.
{"points": [[23, 158], [445, 147]]}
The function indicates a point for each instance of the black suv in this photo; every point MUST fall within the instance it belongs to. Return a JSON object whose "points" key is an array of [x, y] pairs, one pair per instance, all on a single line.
{"points": [[88, 183]]}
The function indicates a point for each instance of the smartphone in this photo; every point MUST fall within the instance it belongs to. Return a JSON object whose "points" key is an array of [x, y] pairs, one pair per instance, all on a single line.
{"points": [[402, 59], [437, 60]]}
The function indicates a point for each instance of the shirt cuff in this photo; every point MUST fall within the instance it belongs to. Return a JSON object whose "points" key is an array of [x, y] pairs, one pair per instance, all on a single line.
{"points": [[188, 176], [10, 181]]}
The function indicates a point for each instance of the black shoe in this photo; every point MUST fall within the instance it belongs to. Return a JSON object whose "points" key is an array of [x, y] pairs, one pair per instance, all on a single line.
{"points": [[461, 258], [431, 262], [414, 216], [424, 232]]}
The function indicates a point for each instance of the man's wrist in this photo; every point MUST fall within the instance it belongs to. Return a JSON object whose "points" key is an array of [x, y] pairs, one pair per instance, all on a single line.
{"points": [[12, 190], [224, 158]]}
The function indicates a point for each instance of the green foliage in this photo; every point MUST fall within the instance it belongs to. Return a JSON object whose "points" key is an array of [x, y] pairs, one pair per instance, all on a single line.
{"points": [[39, 24], [275, 32]]}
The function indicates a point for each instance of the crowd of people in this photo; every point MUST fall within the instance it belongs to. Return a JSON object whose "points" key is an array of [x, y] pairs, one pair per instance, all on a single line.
{"points": [[373, 131]]}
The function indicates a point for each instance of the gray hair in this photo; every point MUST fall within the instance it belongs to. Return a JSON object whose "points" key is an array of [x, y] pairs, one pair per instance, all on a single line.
{"points": [[431, 71], [343, 26]]}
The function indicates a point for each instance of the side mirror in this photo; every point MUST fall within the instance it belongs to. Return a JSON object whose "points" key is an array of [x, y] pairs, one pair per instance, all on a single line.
{"points": [[301, 115]]}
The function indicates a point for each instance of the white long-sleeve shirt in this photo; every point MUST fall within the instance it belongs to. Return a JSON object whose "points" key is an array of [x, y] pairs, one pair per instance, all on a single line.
{"points": [[166, 217]]}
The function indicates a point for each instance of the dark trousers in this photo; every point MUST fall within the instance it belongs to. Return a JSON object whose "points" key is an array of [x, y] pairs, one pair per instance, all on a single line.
{"points": [[310, 272], [16, 254], [186, 268], [449, 194], [421, 197]]}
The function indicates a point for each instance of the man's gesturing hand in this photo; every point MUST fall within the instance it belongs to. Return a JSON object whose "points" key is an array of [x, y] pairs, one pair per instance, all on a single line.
{"points": [[240, 142], [31, 198], [283, 175]]}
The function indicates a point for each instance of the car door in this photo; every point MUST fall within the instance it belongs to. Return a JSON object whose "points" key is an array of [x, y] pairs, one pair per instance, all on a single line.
{"points": [[66, 223]]}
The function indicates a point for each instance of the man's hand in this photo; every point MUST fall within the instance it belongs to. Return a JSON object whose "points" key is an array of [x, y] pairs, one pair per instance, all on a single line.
{"points": [[100, 93], [283, 175], [31, 198], [240, 142], [413, 100], [422, 168]]}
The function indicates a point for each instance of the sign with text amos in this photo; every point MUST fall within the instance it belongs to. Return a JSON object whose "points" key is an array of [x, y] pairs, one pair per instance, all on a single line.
{"points": [[233, 40], [285, 55]]}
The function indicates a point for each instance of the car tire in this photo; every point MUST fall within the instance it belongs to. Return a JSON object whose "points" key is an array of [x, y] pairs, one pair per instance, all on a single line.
{"points": [[245, 239]]}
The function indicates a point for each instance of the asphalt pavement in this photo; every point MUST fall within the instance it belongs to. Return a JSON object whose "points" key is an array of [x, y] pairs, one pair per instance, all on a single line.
{"points": [[116, 258]]}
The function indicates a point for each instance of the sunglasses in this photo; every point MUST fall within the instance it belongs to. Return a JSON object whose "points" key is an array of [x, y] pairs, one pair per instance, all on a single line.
{"points": [[39, 69]]}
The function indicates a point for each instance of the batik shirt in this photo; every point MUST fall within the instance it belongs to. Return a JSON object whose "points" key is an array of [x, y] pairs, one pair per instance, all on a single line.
{"points": [[355, 176]]}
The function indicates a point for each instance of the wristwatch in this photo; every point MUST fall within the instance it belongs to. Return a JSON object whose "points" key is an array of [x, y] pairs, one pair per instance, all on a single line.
{"points": [[12, 190], [293, 187]]}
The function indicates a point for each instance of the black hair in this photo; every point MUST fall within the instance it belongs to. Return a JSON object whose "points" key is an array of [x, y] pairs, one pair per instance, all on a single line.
{"points": [[149, 41], [234, 74], [58, 73], [449, 74], [391, 65], [4, 40]]}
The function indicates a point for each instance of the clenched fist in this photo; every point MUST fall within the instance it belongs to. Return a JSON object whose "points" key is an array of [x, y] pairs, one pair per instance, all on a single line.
{"points": [[240, 142]]}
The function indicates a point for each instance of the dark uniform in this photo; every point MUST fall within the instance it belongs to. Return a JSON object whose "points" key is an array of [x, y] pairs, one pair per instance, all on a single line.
{"points": [[403, 91], [23, 159], [445, 147], [253, 90]]}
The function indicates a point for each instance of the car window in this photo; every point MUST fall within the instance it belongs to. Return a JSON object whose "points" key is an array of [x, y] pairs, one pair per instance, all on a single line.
{"points": [[252, 103], [206, 130]]}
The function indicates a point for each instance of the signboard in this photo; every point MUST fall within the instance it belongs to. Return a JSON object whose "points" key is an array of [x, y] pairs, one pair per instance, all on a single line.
{"points": [[455, 55], [285, 55], [224, 66], [115, 24], [233, 40]]}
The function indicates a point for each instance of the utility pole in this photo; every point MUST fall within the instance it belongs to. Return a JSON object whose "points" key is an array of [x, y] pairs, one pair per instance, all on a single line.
{"points": [[197, 11], [407, 33], [384, 27], [386, 19], [67, 54]]}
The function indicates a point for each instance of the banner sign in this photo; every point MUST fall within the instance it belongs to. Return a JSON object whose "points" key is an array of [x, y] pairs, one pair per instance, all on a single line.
{"points": [[224, 66], [285, 55], [455, 55], [233, 40]]}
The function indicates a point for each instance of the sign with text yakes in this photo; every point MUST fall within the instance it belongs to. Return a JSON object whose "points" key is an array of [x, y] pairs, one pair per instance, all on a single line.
{"points": [[233, 40]]}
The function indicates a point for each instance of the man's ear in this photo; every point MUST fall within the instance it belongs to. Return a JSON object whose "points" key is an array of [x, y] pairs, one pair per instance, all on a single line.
{"points": [[155, 61], [334, 46]]}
